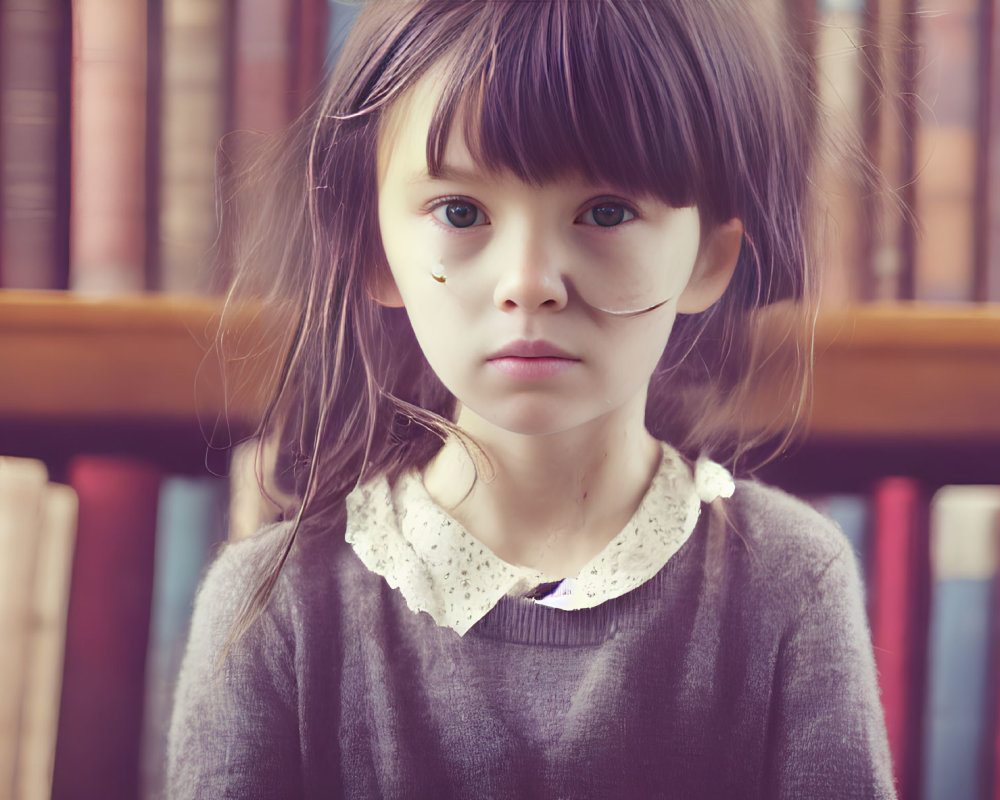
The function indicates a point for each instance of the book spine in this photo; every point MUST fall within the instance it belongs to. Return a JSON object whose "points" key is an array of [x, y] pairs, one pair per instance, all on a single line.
{"points": [[851, 512], [108, 202], [898, 613], [190, 525], [988, 202], [964, 564], [886, 128], [837, 58], [100, 725], [192, 118], [34, 111], [946, 138], [264, 65], [311, 34], [22, 485], [47, 637]]}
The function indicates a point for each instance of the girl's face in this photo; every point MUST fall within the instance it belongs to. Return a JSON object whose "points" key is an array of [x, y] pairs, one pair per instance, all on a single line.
{"points": [[514, 331]]}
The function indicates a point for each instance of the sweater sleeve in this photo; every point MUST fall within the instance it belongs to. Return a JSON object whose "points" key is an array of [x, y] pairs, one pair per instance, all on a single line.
{"points": [[828, 735], [234, 731]]}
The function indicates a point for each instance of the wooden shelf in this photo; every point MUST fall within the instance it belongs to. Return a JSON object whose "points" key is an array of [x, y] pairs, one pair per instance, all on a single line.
{"points": [[892, 372]]}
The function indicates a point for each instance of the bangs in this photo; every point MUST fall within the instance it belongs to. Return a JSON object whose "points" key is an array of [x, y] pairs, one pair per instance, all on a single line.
{"points": [[545, 90]]}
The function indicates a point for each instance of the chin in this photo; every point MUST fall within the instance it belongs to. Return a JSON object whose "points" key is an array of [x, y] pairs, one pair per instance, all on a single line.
{"points": [[532, 419]]}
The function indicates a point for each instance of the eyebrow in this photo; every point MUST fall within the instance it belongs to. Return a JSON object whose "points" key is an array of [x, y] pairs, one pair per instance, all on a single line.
{"points": [[448, 172]]}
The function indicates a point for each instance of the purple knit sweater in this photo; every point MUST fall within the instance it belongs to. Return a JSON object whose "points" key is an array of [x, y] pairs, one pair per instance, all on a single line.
{"points": [[743, 669]]}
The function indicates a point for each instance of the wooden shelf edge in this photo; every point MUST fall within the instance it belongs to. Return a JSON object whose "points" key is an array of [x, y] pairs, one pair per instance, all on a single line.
{"points": [[891, 372]]}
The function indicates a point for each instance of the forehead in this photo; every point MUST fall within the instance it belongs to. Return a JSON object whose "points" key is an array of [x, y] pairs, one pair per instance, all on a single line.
{"points": [[405, 129]]}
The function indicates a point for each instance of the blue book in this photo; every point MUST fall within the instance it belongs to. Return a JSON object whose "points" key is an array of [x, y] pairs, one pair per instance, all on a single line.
{"points": [[957, 741], [190, 526], [852, 513]]}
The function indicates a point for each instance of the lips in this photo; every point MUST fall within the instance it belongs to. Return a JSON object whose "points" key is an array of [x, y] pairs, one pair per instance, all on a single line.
{"points": [[532, 361], [538, 348]]}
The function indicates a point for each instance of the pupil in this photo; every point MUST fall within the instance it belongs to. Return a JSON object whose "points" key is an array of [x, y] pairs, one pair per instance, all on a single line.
{"points": [[607, 216], [461, 215]]}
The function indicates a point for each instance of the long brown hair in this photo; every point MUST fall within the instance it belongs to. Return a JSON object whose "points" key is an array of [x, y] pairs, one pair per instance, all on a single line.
{"points": [[693, 101]]}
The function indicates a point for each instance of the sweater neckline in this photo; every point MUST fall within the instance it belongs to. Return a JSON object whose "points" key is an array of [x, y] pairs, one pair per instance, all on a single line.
{"points": [[399, 533]]}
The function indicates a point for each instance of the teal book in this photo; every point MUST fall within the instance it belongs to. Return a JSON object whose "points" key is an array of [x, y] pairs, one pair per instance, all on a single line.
{"points": [[190, 526]]}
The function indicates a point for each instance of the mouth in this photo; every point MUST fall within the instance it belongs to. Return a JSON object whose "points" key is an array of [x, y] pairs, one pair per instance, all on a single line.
{"points": [[539, 348], [532, 360]]}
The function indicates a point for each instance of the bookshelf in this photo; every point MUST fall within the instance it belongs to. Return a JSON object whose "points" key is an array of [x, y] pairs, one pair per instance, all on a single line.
{"points": [[891, 372], [132, 373]]}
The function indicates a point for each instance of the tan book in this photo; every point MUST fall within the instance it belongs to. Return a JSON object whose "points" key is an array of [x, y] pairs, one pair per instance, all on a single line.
{"points": [[839, 80], [191, 123], [46, 640], [22, 490], [945, 156]]}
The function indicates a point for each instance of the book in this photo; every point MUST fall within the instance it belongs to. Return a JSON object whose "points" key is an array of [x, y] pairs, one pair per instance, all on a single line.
{"points": [[945, 158], [22, 487], [836, 43], [192, 118], [312, 23], [851, 512], [264, 65], [897, 602], [49, 600], [107, 629], [887, 232], [988, 201], [958, 747], [108, 197], [189, 527], [34, 144]]}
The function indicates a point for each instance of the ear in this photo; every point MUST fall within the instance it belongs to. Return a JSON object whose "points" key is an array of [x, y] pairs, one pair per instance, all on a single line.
{"points": [[383, 290], [714, 267]]}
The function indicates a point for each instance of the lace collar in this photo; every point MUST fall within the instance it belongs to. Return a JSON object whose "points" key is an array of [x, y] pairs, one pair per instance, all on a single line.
{"points": [[401, 534]]}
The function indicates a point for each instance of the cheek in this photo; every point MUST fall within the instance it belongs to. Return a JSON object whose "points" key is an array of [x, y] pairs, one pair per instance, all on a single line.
{"points": [[636, 353]]}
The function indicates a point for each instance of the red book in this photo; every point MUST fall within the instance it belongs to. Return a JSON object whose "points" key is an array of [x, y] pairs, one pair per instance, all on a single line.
{"points": [[108, 199], [97, 750], [898, 597], [265, 64], [312, 36]]}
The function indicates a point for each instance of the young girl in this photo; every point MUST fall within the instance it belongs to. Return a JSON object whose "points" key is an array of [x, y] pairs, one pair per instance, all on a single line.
{"points": [[526, 248]]}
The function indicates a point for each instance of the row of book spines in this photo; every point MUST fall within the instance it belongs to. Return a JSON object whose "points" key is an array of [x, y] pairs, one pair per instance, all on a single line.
{"points": [[942, 155], [930, 567], [920, 81], [99, 577], [108, 179]]}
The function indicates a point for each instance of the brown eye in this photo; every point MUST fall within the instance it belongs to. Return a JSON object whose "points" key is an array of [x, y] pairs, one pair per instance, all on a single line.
{"points": [[461, 214], [607, 216]]}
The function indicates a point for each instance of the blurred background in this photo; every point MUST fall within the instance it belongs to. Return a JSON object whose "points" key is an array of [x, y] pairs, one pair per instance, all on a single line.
{"points": [[120, 469]]}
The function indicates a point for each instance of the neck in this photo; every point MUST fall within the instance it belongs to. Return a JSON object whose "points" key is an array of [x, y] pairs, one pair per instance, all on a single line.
{"points": [[547, 502]]}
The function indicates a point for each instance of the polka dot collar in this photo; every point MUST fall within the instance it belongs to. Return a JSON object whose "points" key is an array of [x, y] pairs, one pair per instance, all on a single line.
{"points": [[401, 534]]}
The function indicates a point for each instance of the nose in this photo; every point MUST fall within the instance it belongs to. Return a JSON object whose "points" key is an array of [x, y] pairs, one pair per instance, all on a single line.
{"points": [[532, 278]]}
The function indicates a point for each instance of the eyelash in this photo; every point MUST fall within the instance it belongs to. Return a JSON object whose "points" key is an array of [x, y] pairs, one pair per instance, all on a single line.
{"points": [[441, 202]]}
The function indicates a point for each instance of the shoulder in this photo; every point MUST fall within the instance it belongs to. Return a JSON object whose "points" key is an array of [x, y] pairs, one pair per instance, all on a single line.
{"points": [[784, 542], [307, 574]]}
